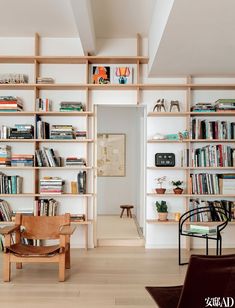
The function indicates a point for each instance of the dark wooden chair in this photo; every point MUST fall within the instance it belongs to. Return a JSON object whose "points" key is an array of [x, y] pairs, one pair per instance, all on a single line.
{"points": [[207, 278], [37, 228]]}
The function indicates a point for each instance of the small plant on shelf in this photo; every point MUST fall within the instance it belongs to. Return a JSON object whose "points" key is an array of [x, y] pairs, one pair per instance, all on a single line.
{"points": [[160, 181], [162, 210], [177, 190]]}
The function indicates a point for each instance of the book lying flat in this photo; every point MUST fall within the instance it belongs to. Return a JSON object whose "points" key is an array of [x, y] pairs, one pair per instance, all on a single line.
{"points": [[203, 229]]}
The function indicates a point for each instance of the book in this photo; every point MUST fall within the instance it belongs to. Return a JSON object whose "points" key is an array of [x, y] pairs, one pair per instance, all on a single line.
{"points": [[203, 229]]}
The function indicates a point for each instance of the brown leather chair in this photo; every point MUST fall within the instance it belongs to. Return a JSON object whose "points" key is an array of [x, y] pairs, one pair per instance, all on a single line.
{"points": [[207, 278], [37, 228]]}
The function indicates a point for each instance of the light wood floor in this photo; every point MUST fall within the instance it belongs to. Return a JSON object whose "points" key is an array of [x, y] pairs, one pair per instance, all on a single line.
{"points": [[102, 277]]}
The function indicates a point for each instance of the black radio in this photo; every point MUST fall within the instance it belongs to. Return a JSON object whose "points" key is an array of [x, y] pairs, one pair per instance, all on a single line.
{"points": [[165, 160]]}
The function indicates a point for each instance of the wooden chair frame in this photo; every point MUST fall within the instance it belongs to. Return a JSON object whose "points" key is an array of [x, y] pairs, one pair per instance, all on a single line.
{"points": [[37, 228]]}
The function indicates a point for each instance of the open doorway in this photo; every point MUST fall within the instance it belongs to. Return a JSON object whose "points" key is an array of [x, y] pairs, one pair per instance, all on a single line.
{"points": [[126, 188]]}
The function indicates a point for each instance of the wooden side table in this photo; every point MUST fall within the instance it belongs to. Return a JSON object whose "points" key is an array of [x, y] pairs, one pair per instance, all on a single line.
{"points": [[128, 210]]}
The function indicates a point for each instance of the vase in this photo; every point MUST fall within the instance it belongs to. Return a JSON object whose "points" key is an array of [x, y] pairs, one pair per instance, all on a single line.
{"points": [[160, 190], [178, 191], [162, 216]]}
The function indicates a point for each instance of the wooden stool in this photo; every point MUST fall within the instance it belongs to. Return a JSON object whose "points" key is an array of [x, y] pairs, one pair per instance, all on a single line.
{"points": [[128, 210]]}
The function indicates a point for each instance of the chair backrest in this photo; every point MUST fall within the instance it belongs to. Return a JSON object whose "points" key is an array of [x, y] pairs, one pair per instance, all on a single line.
{"points": [[208, 278], [41, 227]]}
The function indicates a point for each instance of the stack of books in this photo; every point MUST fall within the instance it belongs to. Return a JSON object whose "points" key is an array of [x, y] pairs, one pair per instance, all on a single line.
{"points": [[5, 155], [205, 183], [205, 129], [213, 156], [42, 128], [223, 105], [77, 217], [45, 80], [43, 104], [22, 131], [47, 158], [45, 207], [13, 78], [51, 185], [22, 160], [227, 183], [80, 134], [75, 161], [10, 184], [6, 212], [203, 107], [61, 132], [71, 106], [10, 104]]}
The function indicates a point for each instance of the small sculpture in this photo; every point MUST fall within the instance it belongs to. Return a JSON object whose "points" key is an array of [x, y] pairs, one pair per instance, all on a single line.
{"points": [[159, 105], [175, 104]]}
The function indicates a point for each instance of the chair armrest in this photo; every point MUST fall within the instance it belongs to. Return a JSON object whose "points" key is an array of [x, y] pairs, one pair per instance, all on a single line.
{"points": [[9, 229], [67, 230]]}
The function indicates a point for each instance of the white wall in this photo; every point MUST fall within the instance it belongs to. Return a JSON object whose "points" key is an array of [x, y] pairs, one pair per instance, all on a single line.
{"points": [[114, 191]]}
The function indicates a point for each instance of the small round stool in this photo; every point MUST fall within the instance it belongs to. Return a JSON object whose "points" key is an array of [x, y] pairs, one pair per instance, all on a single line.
{"points": [[128, 210]]}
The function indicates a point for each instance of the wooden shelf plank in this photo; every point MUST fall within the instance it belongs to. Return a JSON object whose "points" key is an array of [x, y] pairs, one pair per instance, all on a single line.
{"points": [[191, 195], [17, 59], [168, 114], [123, 87], [86, 222], [64, 195], [117, 59], [48, 140], [167, 222], [190, 140], [190, 168], [192, 114], [65, 114], [166, 141]]}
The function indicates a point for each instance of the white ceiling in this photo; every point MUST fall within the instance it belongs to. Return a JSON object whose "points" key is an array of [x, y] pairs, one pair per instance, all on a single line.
{"points": [[122, 18], [50, 18], [55, 18], [198, 39]]}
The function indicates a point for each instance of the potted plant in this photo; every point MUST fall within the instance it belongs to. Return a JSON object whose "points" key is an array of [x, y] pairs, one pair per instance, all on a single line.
{"points": [[160, 182], [177, 190], [162, 210]]}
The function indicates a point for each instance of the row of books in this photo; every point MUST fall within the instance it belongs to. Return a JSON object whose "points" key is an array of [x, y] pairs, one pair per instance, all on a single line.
{"points": [[43, 104], [46, 157], [45, 80], [61, 132], [225, 205], [51, 185], [20, 131], [213, 156], [210, 184], [10, 104], [45, 207], [22, 160], [206, 129], [75, 161], [10, 184]]}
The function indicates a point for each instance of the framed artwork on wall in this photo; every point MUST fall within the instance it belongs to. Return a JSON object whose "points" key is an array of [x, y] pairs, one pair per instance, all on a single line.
{"points": [[111, 154]]}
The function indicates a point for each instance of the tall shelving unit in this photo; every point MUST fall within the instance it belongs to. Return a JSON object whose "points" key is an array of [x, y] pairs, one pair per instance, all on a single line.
{"points": [[189, 87]]}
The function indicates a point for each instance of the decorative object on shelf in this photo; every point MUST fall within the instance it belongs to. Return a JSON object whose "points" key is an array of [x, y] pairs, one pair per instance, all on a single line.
{"points": [[162, 210], [172, 136], [13, 78], [178, 190], [122, 75], [160, 104], [81, 182], [175, 104], [111, 154], [159, 137], [101, 74], [165, 160], [183, 135], [160, 181], [177, 216]]}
